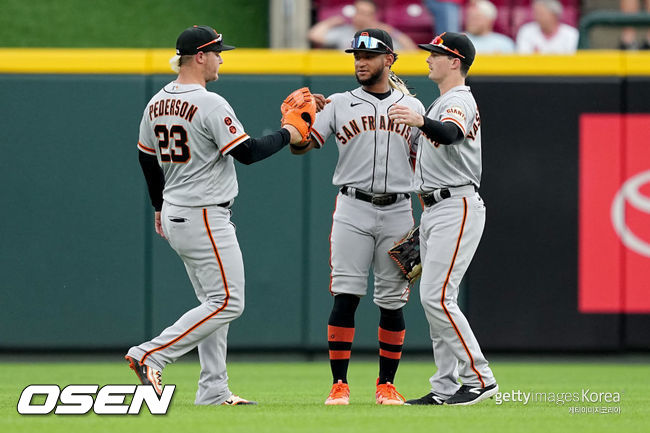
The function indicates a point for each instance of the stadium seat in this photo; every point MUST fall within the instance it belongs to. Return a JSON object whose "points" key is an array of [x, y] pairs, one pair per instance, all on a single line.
{"points": [[503, 23], [412, 18], [328, 10]]}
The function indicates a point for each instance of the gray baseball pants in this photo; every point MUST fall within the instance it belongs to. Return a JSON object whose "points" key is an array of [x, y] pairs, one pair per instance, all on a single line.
{"points": [[450, 232], [362, 234], [205, 240]]}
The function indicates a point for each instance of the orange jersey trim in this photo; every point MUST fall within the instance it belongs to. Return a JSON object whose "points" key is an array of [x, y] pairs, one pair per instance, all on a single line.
{"points": [[451, 119], [210, 316], [390, 355], [146, 149], [340, 354], [391, 337], [319, 137], [232, 143], [444, 290], [340, 333]]}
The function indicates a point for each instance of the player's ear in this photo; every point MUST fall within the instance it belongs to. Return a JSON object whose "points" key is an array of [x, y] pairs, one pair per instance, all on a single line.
{"points": [[389, 60]]}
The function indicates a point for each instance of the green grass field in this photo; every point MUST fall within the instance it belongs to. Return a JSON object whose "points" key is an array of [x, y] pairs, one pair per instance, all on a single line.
{"points": [[291, 399]]}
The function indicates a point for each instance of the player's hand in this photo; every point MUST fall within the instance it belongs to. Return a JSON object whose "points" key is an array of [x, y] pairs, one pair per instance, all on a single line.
{"points": [[158, 225], [295, 134], [404, 115], [296, 139], [321, 102]]}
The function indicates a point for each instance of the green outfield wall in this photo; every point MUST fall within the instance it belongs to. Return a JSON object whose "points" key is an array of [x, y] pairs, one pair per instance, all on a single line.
{"points": [[83, 268]]}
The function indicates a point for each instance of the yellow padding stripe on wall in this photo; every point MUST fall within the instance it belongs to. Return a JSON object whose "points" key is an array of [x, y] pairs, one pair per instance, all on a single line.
{"points": [[309, 62]]}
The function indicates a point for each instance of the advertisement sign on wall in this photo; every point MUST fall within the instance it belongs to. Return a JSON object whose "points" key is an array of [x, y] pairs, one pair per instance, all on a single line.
{"points": [[614, 214]]}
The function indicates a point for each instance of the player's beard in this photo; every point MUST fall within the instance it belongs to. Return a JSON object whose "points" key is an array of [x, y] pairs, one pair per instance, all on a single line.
{"points": [[373, 79]]}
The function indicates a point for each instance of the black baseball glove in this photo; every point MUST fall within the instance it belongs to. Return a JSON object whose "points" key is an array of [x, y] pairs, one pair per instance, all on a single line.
{"points": [[406, 254]]}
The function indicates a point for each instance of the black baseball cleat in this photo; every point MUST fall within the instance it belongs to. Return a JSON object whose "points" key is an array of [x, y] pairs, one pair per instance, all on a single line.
{"points": [[146, 374], [429, 399], [468, 395]]}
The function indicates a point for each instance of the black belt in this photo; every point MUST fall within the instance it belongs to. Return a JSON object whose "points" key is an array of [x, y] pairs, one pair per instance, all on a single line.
{"points": [[376, 199], [429, 199], [226, 204]]}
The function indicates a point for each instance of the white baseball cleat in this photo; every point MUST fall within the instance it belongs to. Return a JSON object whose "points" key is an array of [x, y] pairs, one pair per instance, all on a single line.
{"points": [[235, 400]]}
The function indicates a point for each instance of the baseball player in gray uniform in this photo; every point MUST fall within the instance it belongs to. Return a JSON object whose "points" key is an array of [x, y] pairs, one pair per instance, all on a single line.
{"points": [[189, 139], [447, 177], [373, 208]]}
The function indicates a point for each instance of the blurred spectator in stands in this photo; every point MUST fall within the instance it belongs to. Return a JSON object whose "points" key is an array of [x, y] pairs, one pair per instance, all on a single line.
{"points": [[336, 32], [446, 15], [547, 35], [628, 36], [479, 23]]}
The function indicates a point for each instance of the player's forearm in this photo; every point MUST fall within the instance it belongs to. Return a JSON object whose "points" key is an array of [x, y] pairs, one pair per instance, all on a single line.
{"points": [[301, 149], [154, 177], [257, 149], [441, 132]]}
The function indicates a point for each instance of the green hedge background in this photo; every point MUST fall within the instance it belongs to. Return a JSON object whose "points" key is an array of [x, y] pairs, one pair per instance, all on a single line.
{"points": [[128, 23]]}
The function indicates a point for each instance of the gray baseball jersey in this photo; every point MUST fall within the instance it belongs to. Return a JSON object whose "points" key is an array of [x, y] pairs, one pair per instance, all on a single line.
{"points": [[450, 231], [191, 131], [196, 174], [441, 166], [374, 157], [373, 151]]}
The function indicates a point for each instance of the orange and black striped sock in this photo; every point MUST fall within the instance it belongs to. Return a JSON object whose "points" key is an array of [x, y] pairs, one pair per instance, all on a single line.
{"points": [[340, 335], [391, 339]]}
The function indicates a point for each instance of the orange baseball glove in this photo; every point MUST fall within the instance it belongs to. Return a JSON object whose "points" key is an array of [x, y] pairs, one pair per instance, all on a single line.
{"points": [[299, 110]]}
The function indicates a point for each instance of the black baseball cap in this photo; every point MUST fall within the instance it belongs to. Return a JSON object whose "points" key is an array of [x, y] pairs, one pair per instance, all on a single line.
{"points": [[373, 41], [200, 38], [453, 44]]}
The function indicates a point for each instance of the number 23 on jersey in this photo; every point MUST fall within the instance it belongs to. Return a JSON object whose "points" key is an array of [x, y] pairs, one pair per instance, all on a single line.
{"points": [[172, 143]]}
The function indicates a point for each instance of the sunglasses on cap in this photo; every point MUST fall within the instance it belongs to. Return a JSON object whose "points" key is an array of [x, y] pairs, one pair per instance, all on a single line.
{"points": [[367, 42], [214, 41], [439, 42]]}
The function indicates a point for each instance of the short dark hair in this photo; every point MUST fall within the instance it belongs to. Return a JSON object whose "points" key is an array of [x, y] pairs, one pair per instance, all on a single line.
{"points": [[464, 68]]}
